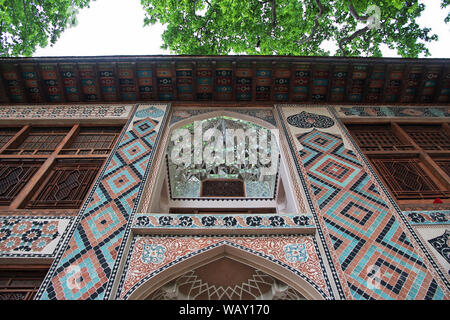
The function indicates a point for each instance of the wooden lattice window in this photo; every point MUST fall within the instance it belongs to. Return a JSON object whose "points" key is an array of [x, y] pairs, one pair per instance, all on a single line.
{"points": [[66, 185], [14, 174], [444, 164], [39, 141], [429, 137], [52, 167], [20, 285], [407, 178], [377, 138], [222, 188], [6, 134], [93, 140], [413, 159]]}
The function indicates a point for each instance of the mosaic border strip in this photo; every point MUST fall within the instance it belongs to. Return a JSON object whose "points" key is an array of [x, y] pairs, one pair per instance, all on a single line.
{"points": [[392, 201], [165, 222], [435, 217], [102, 221], [263, 114], [218, 244], [37, 221], [392, 112], [66, 112]]}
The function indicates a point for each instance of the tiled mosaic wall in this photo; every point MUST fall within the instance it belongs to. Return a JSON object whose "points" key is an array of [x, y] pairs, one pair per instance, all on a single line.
{"points": [[372, 253], [433, 229], [87, 263], [373, 249], [152, 255], [32, 237]]}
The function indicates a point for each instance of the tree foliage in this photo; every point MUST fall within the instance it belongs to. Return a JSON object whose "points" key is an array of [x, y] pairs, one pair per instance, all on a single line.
{"points": [[25, 24], [290, 27]]}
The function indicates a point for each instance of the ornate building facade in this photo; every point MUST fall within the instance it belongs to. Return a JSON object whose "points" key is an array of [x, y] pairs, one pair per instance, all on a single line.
{"points": [[329, 178]]}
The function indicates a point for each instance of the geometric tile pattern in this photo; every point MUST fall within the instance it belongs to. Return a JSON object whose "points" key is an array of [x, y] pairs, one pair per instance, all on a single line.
{"points": [[151, 255], [66, 112], [88, 258], [32, 237], [377, 258], [427, 217]]}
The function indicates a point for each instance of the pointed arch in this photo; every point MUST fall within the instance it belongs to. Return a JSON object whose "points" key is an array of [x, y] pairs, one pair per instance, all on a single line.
{"points": [[222, 113], [154, 185], [226, 249]]}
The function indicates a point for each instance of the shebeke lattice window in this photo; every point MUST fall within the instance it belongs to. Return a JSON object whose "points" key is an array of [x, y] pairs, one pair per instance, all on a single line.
{"points": [[93, 140], [51, 167], [20, 285], [413, 159], [429, 137], [408, 179], [40, 140], [13, 176], [378, 138], [6, 134], [67, 184]]}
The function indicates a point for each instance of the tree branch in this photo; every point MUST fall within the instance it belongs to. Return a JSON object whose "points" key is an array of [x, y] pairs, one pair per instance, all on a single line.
{"points": [[316, 23], [274, 14], [354, 13], [355, 34]]}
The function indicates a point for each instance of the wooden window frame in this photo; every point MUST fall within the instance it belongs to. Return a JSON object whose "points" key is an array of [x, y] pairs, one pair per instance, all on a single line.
{"points": [[9, 273], [427, 158], [33, 186]]}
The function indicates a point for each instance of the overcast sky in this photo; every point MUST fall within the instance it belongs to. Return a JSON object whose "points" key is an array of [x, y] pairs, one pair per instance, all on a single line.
{"points": [[116, 27]]}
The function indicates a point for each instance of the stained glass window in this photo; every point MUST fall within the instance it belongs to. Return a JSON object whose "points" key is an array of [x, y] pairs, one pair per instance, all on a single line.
{"points": [[210, 154]]}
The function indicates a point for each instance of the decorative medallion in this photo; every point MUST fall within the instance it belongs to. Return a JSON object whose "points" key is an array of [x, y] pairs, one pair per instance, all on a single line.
{"points": [[296, 252], [153, 253], [306, 120]]}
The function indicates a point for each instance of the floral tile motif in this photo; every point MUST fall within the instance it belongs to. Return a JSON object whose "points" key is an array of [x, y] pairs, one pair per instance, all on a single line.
{"points": [[66, 112], [428, 217], [153, 253], [147, 258], [442, 244], [296, 252], [31, 236], [223, 222]]}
